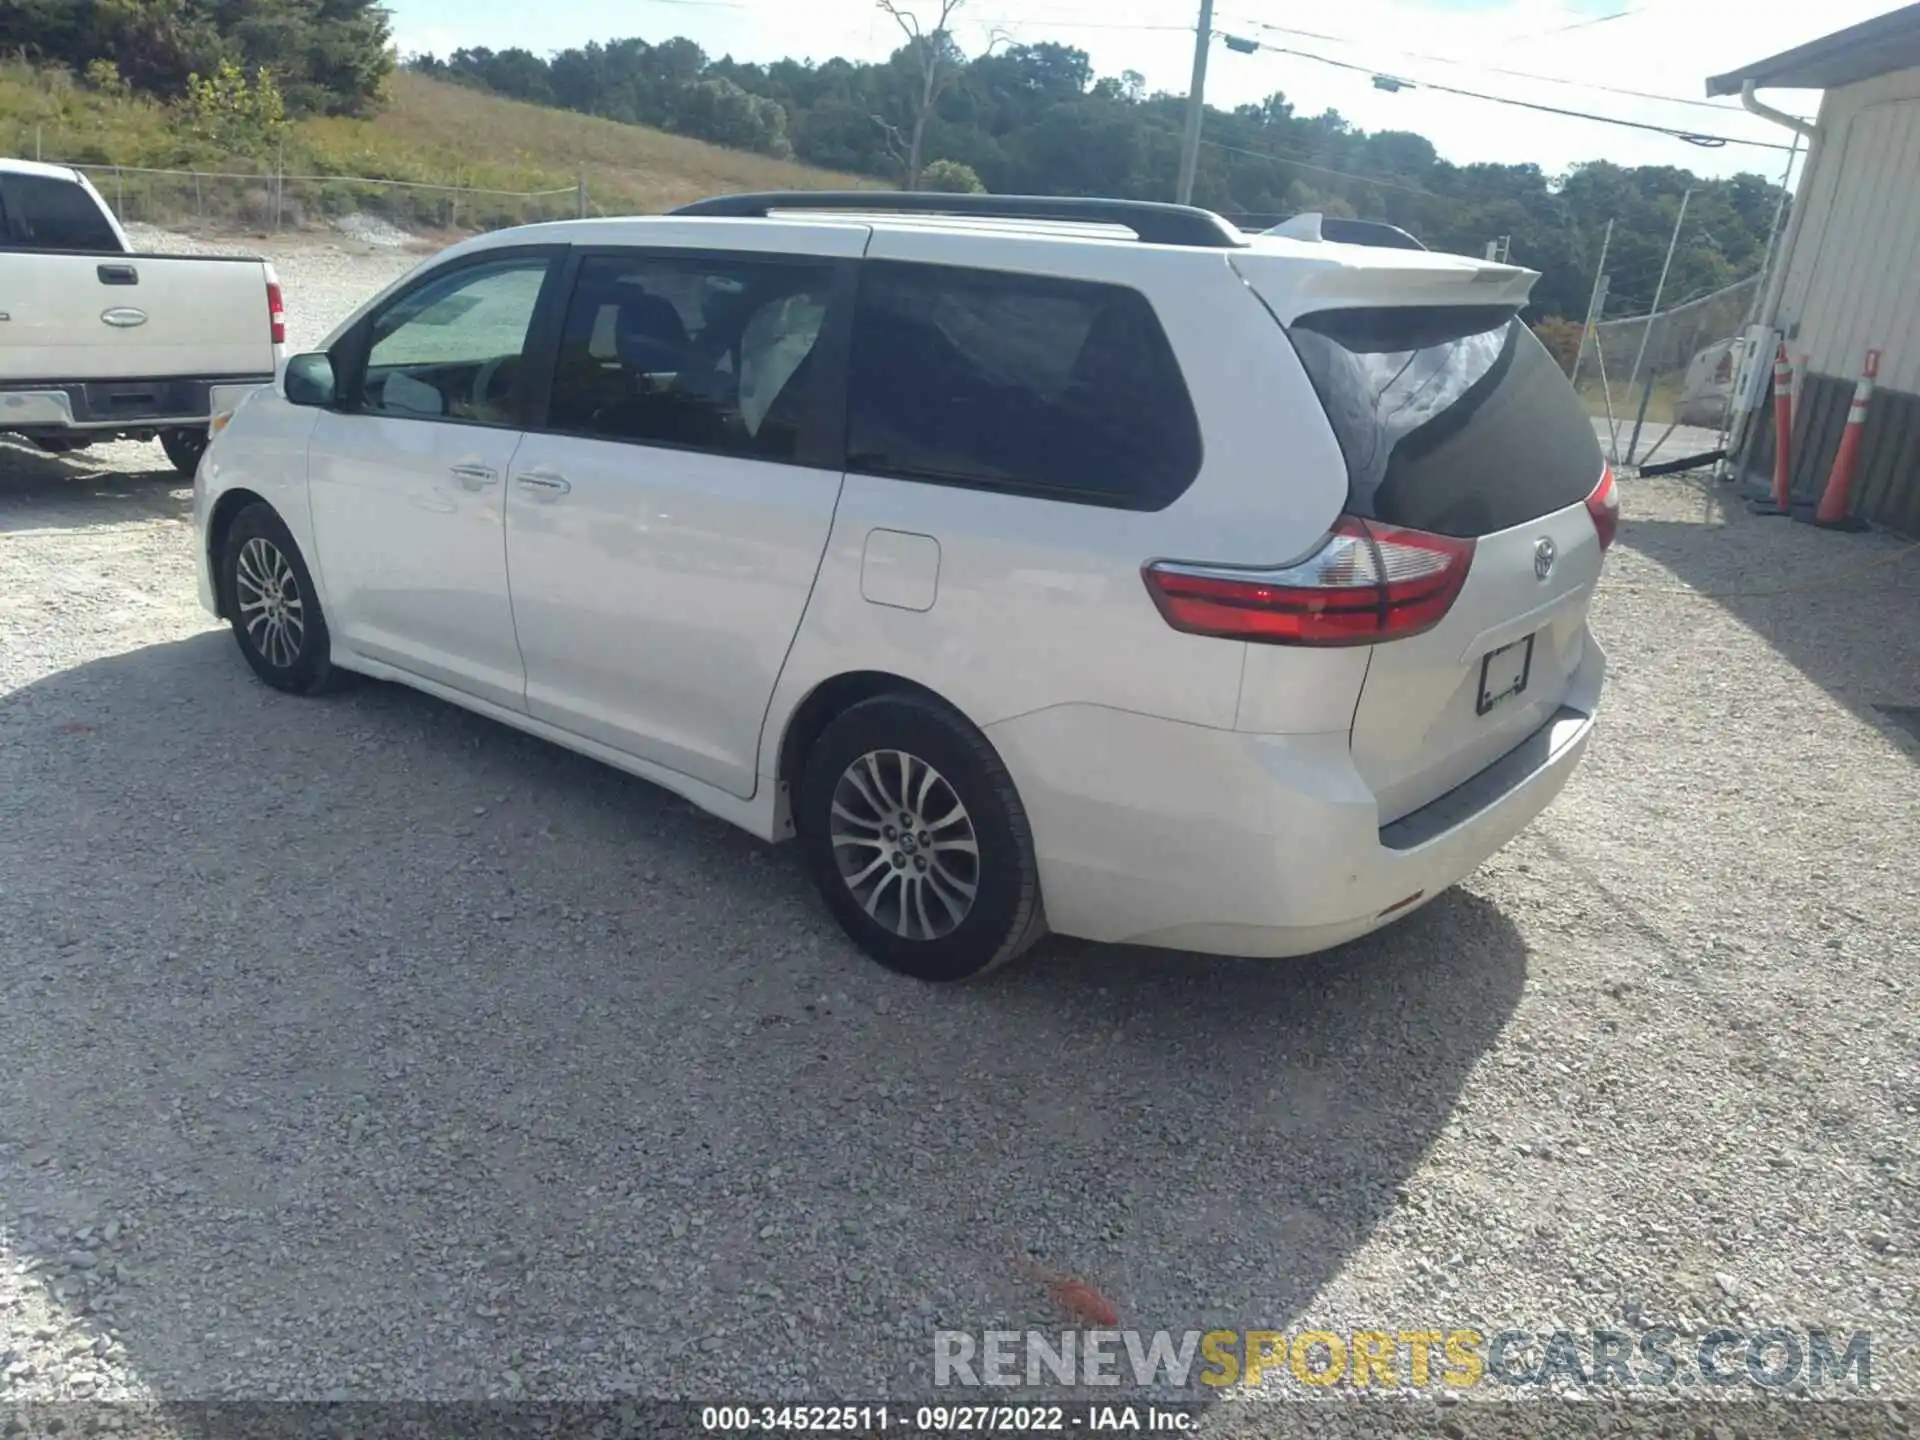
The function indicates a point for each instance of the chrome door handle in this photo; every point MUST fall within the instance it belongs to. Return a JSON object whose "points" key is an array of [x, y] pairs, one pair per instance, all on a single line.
{"points": [[475, 477], [546, 482]]}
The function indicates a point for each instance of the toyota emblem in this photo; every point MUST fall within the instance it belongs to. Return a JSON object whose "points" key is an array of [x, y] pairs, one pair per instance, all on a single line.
{"points": [[1543, 553]]}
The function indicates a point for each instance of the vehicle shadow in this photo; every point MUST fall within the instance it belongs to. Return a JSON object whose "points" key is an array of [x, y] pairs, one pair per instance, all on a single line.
{"points": [[406, 1055], [97, 486], [1844, 610]]}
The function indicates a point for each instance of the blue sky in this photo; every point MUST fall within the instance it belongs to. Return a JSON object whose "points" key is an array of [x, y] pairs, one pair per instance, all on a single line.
{"points": [[1663, 47]]}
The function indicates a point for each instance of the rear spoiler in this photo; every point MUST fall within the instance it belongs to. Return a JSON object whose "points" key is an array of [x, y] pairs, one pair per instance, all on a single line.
{"points": [[1299, 282], [1312, 225]]}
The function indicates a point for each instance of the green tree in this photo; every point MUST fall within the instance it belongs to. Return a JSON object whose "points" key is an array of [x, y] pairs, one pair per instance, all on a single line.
{"points": [[327, 56], [950, 177], [720, 111], [238, 115]]}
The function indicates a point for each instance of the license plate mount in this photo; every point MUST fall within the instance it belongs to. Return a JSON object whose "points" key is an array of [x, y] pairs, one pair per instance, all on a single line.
{"points": [[1504, 674]]}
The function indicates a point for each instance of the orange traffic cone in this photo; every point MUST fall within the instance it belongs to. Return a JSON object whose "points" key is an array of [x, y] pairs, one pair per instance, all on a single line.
{"points": [[1833, 513], [1778, 503]]}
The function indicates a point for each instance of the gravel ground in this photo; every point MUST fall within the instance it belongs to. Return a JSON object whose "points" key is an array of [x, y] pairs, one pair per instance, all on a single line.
{"points": [[363, 1048]]}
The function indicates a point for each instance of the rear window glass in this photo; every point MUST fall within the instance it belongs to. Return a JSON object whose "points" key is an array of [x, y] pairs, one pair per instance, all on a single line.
{"points": [[48, 214], [1066, 388], [1453, 419]]}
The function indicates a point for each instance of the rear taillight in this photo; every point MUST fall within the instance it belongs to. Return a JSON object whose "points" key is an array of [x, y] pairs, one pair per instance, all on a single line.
{"points": [[276, 312], [1604, 506], [1369, 582]]}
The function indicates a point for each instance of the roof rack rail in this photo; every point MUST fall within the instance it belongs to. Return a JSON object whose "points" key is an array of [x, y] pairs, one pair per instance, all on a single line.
{"points": [[1154, 223]]}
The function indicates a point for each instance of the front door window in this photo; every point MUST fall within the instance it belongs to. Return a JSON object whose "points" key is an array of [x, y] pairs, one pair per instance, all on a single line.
{"points": [[452, 350]]}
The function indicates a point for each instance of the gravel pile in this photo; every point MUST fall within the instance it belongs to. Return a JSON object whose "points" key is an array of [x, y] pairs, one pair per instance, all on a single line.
{"points": [[152, 240], [373, 231], [363, 1048]]}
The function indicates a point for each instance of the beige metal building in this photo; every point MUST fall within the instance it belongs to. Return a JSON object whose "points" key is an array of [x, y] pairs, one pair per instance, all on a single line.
{"points": [[1846, 277]]}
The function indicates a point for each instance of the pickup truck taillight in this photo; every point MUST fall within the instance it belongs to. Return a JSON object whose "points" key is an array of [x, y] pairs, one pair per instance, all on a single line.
{"points": [[276, 312]]}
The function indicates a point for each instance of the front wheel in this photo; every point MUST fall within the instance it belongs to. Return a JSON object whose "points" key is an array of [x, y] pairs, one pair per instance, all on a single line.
{"points": [[269, 599], [918, 841], [184, 449]]}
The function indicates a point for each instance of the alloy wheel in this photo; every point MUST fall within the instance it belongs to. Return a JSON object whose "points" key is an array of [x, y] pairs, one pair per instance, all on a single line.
{"points": [[905, 845], [268, 595]]}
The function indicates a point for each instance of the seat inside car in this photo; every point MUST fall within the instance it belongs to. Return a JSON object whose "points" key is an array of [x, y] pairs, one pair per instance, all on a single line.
{"points": [[652, 338]]}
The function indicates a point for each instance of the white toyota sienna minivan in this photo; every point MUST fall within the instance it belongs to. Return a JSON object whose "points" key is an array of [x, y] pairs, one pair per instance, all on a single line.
{"points": [[1035, 563]]}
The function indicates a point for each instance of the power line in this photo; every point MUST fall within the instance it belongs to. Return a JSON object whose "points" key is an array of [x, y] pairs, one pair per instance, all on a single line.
{"points": [[1692, 137], [1576, 25], [1501, 70]]}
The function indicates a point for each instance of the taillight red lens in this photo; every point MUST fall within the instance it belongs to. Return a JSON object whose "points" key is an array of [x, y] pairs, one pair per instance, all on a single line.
{"points": [[1369, 582], [1604, 506], [276, 312]]}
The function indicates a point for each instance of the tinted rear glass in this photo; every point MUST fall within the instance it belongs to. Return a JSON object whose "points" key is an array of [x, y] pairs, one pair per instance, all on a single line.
{"points": [[47, 214], [1040, 385], [1452, 419]]}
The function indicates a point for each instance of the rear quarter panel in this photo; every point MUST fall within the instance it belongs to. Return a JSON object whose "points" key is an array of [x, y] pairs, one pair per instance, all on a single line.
{"points": [[1040, 603]]}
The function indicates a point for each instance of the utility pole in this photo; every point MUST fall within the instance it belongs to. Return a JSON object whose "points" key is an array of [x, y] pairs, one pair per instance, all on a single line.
{"points": [[1196, 104], [1646, 331], [1593, 302]]}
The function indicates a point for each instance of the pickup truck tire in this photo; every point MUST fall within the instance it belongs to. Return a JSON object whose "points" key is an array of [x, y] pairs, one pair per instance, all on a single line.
{"points": [[184, 448], [268, 596]]}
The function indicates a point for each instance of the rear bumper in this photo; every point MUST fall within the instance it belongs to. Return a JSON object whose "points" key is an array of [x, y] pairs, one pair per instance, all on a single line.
{"points": [[1156, 833], [114, 406]]}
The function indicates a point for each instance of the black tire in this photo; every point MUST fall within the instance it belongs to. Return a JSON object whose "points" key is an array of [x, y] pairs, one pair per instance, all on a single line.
{"points": [[184, 449], [1003, 916], [259, 554]]}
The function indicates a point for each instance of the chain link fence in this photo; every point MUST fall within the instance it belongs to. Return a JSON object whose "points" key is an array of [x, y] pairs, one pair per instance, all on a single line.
{"points": [[1686, 358], [270, 201]]}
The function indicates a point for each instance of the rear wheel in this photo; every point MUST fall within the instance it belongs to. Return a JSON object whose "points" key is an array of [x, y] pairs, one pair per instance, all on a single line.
{"points": [[184, 448], [269, 600], [918, 841]]}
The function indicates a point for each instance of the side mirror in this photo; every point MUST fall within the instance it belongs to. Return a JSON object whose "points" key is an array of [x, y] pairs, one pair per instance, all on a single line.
{"points": [[309, 381]]}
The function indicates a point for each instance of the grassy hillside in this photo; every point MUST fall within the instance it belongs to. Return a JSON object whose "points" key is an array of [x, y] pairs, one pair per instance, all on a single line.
{"points": [[432, 129], [431, 132]]}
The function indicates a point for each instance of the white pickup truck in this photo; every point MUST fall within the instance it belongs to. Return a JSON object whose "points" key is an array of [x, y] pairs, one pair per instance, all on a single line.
{"points": [[100, 343]]}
